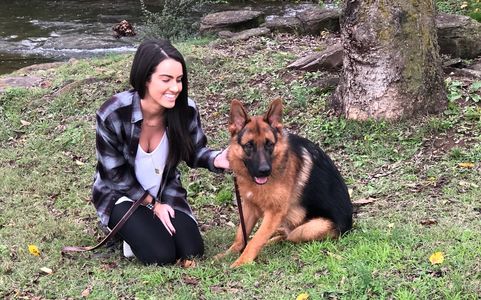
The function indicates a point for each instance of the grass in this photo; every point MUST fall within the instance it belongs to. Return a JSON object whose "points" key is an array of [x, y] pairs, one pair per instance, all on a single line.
{"points": [[422, 198]]}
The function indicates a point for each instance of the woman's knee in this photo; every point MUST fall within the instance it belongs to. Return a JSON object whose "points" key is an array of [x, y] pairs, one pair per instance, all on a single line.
{"points": [[159, 258]]}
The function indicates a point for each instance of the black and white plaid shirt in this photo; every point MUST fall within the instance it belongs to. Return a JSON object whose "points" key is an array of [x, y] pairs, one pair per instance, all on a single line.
{"points": [[119, 123]]}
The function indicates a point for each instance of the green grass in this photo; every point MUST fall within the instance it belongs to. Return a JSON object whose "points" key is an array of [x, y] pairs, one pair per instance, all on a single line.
{"points": [[423, 200]]}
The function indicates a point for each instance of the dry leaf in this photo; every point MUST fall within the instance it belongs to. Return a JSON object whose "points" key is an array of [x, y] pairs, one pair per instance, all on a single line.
{"points": [[363, 201], [436, 258], [34, 250], [302, 296], [86, 292], [190, 280], [46, 270], [466, 165], [25, 123], [79, 163], [428, 222]]}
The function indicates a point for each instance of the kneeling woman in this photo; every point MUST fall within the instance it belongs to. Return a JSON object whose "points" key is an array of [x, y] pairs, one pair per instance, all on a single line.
{"points": [[141, 136]]}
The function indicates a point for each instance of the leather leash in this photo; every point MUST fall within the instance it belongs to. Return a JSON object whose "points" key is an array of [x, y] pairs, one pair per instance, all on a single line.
{"points": [[111, 233], [241, 215]]}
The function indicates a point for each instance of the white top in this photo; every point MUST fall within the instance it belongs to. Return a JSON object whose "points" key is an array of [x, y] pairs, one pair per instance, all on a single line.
{"points": [[150, 166]]}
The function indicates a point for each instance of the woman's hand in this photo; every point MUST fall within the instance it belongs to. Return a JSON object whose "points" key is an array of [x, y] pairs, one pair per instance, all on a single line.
{"points": [[164, 212], [221, 161]]}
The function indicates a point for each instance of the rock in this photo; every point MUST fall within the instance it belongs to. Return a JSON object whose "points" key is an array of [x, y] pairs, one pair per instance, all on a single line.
{"points": [[330, 59], [20, 81], [124, 28], [316, 19], [38, 67], [246, 34], [225, 34], [234, 20], [458, 36], [285, 24], [476, 67]]}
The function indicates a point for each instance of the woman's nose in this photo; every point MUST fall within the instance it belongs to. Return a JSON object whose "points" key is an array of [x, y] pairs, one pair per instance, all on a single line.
{"points": [[175, 87]]}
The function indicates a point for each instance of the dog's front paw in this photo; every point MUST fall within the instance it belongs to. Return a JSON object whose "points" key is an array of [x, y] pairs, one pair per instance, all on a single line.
{"points": [[239, 262]]}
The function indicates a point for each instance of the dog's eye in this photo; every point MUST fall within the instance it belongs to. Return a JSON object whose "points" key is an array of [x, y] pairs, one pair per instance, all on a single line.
{"points": [[269, 146], [248, 147]]}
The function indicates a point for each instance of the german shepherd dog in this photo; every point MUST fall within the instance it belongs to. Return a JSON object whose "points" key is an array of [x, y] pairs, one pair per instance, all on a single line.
{"points": [[286, 180]]}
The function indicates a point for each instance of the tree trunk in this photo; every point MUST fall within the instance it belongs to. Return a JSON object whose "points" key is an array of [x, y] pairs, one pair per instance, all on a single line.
{"points": [[392, 68]]}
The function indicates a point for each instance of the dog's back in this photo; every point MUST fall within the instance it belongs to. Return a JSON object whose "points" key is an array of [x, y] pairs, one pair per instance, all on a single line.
{"points": [[325, 194]]}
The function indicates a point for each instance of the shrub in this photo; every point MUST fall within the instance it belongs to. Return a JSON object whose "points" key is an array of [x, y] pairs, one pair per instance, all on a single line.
{"points": [[173, 21]]}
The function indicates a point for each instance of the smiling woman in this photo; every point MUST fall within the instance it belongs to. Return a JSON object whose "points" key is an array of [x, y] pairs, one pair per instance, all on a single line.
{"points": [[142, 135]]}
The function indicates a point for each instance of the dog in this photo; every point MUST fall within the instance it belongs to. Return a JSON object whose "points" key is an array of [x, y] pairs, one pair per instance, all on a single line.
{"points": [[286, 180]]}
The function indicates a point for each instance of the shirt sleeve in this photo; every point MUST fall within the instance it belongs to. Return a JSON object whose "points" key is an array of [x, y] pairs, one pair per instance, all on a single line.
{"points": [[114, 169]]}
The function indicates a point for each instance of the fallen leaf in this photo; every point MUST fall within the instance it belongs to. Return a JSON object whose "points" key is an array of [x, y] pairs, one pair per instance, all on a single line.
{"points": [[86, 292], [190, 280], [46, 270], [25, 123], [79, 163], [436, 258], [466, 165], [428, 222], [186, 263], [363, 201], [34, 250], [302, 296]]}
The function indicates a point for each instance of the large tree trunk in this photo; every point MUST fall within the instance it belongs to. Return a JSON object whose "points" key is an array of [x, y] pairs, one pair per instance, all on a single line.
{"points": [[392, 68]]}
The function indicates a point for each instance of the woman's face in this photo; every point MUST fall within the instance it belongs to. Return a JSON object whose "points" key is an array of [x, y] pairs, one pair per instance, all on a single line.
{"points": [[165, 84]]}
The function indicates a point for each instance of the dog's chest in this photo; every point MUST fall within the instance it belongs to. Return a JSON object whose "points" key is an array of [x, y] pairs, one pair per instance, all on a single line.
{"points": [[265, 196]]}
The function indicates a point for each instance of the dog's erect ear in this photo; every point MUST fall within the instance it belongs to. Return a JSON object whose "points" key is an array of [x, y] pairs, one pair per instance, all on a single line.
{"points": [[273, 115], [238, 117]]}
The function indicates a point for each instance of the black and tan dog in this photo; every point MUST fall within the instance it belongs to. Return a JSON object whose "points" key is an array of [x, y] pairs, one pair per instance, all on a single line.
{"points": [[284, 179]]}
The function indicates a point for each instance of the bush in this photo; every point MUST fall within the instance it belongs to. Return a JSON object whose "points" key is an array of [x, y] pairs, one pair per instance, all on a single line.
{"points": [[173, 21]]}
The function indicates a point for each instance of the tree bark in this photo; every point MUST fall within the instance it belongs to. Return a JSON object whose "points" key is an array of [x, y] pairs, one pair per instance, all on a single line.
{"points": [[391, 65]]}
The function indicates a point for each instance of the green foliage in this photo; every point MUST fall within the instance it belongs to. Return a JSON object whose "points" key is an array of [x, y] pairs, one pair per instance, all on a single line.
{"points": [[457, 90], [470, 8], [173, 21]]}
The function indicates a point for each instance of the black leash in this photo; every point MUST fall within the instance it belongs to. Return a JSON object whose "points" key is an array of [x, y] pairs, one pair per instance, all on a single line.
{"points": [[241, 215]]}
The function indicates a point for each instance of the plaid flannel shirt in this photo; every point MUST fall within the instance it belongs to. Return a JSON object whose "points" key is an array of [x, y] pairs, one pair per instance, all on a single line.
{"points": [[119, 123]]}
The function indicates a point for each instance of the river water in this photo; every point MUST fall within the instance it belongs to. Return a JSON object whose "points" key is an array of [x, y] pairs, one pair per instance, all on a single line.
{"points": [[36, 31]]}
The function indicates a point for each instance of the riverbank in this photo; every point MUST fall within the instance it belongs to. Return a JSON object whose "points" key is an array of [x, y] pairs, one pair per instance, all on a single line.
{"points": [[415, 185]]}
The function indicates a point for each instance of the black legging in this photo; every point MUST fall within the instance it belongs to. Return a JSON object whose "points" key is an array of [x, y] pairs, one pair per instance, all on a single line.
{"points": [[151, 242]]}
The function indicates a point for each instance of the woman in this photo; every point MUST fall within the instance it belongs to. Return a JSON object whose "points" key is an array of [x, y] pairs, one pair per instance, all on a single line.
{"points": [[141, 136]]}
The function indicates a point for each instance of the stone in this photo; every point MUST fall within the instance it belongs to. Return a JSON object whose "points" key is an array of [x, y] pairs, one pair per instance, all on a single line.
{"points": [[285, 24], [20, 81], [458, 36], [246, 34], [316, 19], [329, 59], [233, 20]]}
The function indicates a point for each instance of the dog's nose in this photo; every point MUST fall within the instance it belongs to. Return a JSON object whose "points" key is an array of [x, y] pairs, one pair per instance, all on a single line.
{"points": [[264, 170]]}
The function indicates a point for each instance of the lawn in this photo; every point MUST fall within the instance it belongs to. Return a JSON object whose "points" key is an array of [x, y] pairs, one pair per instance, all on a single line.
{"points": [[415, 184]]}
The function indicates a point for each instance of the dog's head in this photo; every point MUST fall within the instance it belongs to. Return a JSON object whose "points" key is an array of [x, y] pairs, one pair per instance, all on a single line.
{"points": [[254, 139]]}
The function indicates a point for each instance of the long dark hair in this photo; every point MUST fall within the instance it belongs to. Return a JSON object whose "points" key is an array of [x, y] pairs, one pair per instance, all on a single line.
{"points": [[149, 54]]}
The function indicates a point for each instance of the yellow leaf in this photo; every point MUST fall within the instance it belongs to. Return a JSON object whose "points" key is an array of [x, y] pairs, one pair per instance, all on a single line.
{"points": [[33, 250], [436, 258], [302, 296], [466, 165]]}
